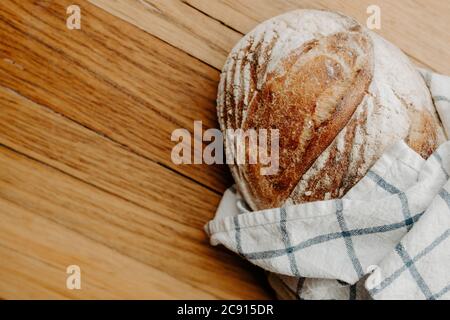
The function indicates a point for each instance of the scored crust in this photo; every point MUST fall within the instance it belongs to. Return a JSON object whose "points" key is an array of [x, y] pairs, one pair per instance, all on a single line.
{"points": [[321, 79]]}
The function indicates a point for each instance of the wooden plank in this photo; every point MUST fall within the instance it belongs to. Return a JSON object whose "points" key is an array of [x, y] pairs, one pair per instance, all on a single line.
{"points": [[195, 33], [419, 27], [177, 23], [110, 77], [180, 251], [35, 259], [120, 135], [44, 135], [401, 23]]}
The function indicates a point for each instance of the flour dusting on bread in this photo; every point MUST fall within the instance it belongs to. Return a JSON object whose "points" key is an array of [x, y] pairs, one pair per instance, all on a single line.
{"points": [[339, 96]]}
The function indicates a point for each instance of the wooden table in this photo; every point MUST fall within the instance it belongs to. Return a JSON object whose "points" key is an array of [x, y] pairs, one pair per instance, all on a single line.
{"points": [[86, 117]]}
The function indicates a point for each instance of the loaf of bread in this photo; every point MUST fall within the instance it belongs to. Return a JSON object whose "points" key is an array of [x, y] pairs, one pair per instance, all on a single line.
{"points": [[339, 95]]}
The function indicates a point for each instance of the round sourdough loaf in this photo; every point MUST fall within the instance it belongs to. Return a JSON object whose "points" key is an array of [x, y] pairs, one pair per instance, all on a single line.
{"points": [[339, 95]]}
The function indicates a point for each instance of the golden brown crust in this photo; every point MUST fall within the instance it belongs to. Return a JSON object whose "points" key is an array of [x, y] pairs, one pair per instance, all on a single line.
{"points": [[324, 82], [336, 171]]}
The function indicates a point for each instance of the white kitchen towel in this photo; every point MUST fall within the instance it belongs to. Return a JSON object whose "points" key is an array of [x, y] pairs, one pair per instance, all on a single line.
{"points": [[388, 238]]}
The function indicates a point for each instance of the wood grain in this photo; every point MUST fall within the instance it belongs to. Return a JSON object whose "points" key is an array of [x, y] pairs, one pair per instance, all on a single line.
{"points": [[41, 252], [76, 119], [160, 243], [44, 135], [109, 77], [180, 25], [403, 22], [85, 122]]}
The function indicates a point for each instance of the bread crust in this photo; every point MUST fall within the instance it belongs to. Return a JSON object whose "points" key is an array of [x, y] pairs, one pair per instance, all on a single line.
{"points": [[339, 96]]}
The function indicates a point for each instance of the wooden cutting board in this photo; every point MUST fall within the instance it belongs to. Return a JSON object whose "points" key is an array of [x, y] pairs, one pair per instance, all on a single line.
{"points": [[86, 117]]}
